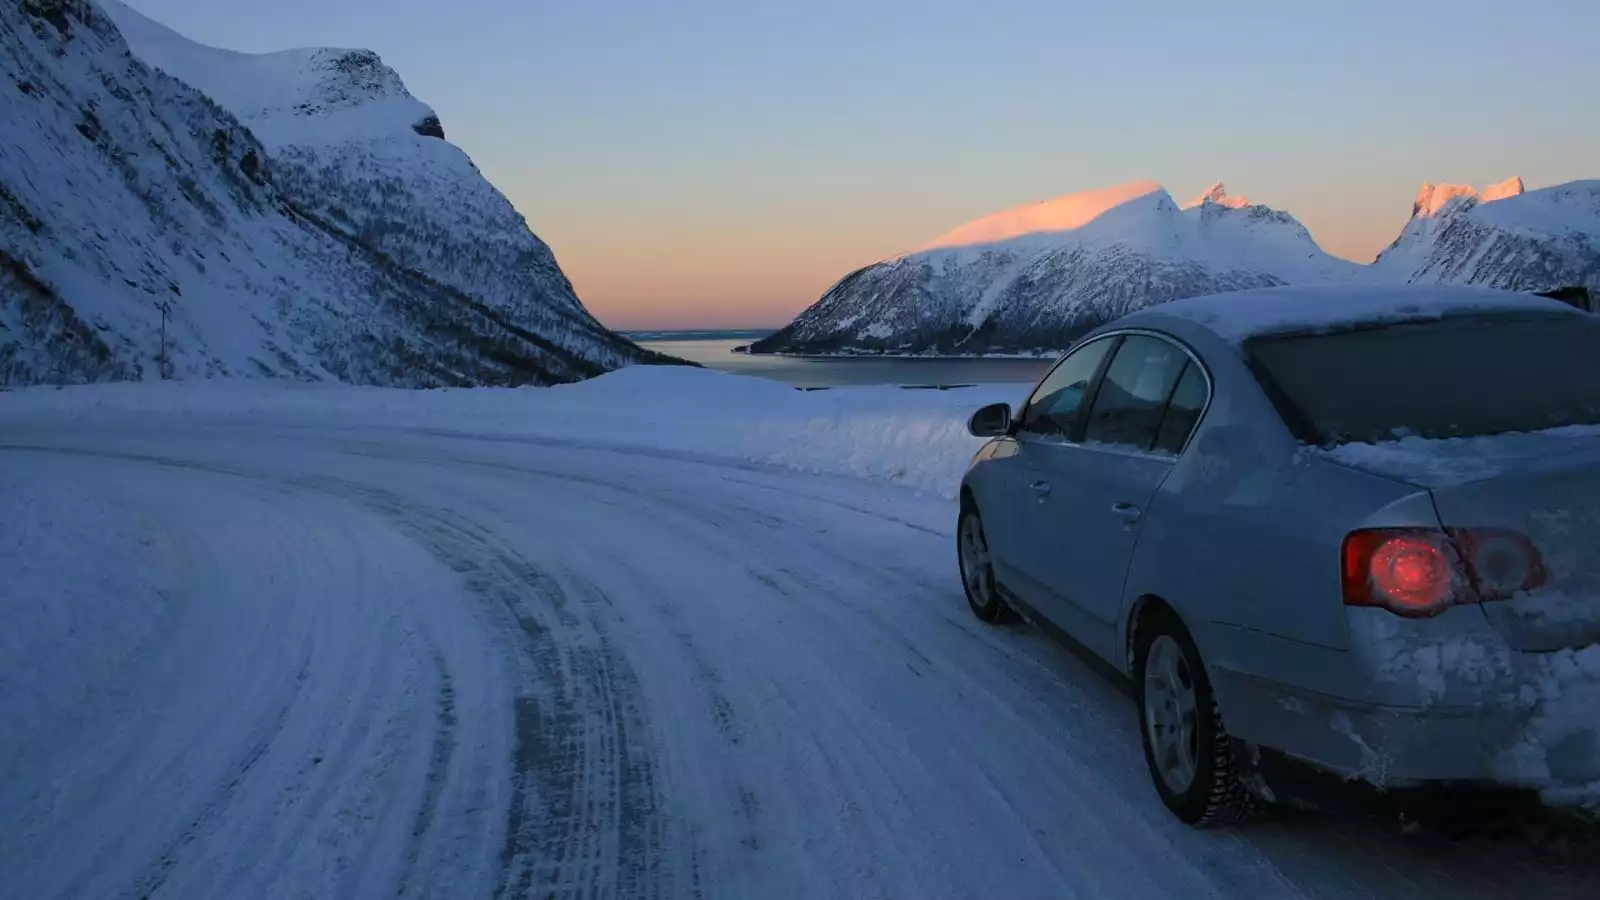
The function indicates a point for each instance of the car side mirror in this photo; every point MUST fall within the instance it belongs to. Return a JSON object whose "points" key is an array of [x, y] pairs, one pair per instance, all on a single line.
{"points": [[992, 421]]}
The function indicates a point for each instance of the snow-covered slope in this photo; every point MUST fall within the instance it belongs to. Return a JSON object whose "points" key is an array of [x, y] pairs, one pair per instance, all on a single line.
{"points": [[1503, 237], [350, 143], [123, 190], [1034, 277], [311, 97]]}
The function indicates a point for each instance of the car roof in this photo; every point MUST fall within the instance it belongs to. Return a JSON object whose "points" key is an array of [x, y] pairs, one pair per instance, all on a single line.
{"points": [[1237, 316]]}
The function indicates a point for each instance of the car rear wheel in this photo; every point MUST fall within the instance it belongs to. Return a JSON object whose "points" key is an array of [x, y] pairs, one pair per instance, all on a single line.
{"points": [[977, 568], [1190, 754]]}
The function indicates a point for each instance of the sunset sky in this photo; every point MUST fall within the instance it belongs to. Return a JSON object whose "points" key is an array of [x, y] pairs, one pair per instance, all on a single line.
{"points": [[720, 164]]}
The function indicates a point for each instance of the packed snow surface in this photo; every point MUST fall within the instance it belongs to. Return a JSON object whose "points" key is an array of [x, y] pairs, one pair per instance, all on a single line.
{"points": [[264, 641]]}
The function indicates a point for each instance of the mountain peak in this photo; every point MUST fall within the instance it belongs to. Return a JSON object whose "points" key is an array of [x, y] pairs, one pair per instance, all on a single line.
{"points": [[1511, 187], [1435, 199], [1068, 212], [1432, 199], [1084, 259], [1218, 195], [310, 96]]}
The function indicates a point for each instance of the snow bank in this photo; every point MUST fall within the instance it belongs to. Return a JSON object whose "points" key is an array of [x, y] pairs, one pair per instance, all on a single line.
{"points": [[916, 438]]}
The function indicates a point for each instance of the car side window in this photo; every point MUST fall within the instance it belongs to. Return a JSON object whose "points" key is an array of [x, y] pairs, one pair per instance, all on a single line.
{"points": [[1053, 409], [1183, 412], [1132, 399]]}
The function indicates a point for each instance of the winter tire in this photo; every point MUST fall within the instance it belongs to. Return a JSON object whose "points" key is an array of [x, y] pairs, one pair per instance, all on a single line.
{"points": [[1190, 754], [977, 568]]}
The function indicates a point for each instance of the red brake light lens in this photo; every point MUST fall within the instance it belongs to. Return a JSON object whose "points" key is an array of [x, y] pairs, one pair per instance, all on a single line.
{"points": [[1419, 572], [1410, 572]]}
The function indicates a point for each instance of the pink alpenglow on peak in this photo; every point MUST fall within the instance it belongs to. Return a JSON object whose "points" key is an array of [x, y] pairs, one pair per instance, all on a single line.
{"points": [[1218, 195], [1511, 187], [1065, 213], [1433, 199]]}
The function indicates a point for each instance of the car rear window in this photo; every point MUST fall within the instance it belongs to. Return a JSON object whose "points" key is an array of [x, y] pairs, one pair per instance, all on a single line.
{"points": [[1454, 377]]}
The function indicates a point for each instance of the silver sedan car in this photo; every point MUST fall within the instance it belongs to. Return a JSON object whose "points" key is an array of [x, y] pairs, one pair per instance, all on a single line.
{"points": [[1347, 529]]}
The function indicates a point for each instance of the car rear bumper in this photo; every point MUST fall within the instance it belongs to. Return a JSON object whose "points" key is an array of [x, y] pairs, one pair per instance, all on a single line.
{"points": [[1386, 746]]}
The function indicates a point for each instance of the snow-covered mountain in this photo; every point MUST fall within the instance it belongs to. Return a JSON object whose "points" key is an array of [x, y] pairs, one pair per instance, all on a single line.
{"points": [[312, 225], [1034, 277], [1037, 276], [1504, 237]]}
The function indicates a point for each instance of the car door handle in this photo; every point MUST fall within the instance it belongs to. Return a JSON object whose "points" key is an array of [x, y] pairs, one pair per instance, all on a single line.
{"points": [[1042, 488], [1127, 511]]}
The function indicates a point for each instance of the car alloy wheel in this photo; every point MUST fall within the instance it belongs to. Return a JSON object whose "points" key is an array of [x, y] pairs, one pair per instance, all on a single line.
{"points": [[977, 568], [1169, 714], [1192, 758]]}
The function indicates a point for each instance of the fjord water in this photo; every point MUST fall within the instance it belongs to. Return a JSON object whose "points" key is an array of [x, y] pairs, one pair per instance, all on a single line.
{"points": [[714, 350]]}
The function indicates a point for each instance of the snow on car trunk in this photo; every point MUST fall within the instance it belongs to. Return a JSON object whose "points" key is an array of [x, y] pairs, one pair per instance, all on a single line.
{"points": [[1542, 486], [1505, 494], [1554, 590]]}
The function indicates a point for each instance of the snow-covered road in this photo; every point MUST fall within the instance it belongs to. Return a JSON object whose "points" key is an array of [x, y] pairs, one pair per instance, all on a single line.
{"points": [[242, 661]]}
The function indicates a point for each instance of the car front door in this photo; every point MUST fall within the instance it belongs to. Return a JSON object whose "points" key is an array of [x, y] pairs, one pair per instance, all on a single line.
{"points": [[1050, 417], [1098, 486]]}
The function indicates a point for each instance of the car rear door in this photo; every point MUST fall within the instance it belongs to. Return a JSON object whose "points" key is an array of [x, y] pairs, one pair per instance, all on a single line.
{"points": [[1084, 529], [1050, 417]]}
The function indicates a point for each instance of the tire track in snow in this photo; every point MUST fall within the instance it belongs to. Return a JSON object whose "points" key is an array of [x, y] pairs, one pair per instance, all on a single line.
{"points": [[442, 751], [583, 817], [1003, 768], [822, 594]]}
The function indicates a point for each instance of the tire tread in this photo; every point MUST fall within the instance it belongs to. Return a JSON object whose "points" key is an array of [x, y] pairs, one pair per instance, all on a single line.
{"points": [[1229, 800]]}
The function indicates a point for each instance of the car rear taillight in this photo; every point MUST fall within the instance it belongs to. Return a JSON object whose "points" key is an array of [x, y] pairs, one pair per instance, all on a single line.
{"points": [[1501, 562], [1408, 571], [1420, 572]]}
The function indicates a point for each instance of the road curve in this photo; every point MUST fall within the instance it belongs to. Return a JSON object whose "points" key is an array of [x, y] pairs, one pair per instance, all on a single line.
{"points": [[290, 662]]}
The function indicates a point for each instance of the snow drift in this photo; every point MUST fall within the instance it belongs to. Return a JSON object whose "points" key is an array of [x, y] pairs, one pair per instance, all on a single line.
{"points": [[915, 438]]}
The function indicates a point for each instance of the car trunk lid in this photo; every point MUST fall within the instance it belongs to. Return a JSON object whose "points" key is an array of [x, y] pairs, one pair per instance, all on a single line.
{"points": [[1555, 503]]}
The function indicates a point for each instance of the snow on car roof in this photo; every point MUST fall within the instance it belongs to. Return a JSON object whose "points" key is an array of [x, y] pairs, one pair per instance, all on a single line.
{"points": [[1238, 315]]}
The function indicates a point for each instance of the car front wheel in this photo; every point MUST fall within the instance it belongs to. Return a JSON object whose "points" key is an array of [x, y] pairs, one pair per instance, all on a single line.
{"points": [[977, 568], [1190, 754]]}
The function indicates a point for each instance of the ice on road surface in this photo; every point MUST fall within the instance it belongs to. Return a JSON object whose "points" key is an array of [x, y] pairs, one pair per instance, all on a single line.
{"points": [[317, 657]]}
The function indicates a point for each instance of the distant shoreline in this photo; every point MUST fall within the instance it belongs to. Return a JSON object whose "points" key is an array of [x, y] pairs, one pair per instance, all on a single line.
{"points": [[911, 357]]}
